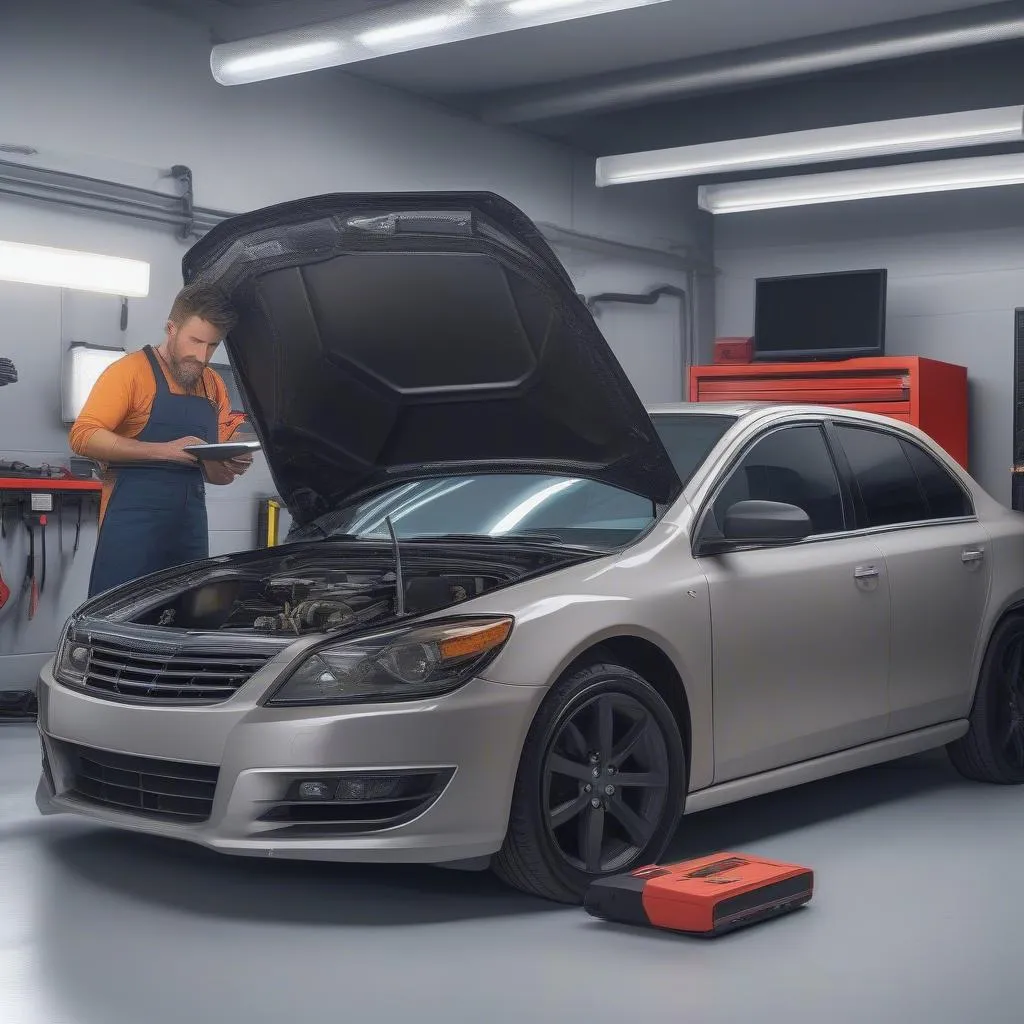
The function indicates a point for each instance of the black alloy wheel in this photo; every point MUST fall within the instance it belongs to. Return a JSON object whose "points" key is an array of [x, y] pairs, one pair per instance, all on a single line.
{"points": [[993, 748], [605, 783], [601, 784]]}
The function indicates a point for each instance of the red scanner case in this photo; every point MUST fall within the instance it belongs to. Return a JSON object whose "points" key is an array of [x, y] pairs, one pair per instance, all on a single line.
{"points": [[706, 896]]}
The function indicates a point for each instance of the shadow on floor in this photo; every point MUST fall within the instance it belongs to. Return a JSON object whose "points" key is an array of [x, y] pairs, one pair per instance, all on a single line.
{"points": [[207, 884], [751, 821]]}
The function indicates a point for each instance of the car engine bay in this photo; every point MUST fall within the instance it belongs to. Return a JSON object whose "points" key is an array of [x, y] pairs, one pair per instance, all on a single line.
{"points": [[320, 591]]}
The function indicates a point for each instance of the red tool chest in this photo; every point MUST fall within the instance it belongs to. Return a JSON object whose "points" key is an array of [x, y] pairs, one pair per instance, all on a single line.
{"points": [[929, 394]]}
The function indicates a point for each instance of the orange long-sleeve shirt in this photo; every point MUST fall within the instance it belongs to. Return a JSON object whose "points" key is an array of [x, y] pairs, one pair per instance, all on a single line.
{"points": [[121, 401]]}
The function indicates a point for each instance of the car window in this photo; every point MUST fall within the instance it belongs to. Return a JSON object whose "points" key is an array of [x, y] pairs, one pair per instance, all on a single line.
{"points": [[792, 465], [943, 492], [689, 437], [888, 486]]}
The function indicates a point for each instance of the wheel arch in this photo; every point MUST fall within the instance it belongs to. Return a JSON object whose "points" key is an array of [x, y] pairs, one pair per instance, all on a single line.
{"points": [[1014, 605], [651, 661]]}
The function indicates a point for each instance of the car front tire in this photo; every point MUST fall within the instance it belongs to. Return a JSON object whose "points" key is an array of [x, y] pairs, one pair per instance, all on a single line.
{"points": [[992, 750], [600, 788]]}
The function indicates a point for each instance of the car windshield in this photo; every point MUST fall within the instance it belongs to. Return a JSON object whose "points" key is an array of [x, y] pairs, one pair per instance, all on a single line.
{"points": [[562, 509]]}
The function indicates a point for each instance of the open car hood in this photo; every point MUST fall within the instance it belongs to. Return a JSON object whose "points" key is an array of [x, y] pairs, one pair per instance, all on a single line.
{"points": [[388, 337]]}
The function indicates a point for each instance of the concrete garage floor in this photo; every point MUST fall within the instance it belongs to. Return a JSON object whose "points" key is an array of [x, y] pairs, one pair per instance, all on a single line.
{"points": [[917, 917]]}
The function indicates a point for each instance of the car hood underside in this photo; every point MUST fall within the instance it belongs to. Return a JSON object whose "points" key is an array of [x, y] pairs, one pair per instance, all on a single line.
{"points": [[383, 338]]}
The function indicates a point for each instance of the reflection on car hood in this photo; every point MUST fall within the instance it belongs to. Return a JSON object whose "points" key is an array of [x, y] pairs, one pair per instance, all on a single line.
{"points": [[388, 337]]}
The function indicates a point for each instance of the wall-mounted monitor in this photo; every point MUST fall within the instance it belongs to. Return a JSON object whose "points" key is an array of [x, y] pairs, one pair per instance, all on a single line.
{"points": [[820, 316]]}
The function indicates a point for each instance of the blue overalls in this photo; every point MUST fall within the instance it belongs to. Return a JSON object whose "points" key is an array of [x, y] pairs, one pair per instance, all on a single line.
{"points": [[156, 514]]}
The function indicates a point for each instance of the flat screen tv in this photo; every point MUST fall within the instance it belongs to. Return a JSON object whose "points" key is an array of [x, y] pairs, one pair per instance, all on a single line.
{"points": [[820, 316]]}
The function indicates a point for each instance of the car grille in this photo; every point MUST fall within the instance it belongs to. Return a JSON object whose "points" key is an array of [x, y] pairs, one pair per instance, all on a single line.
{"points": [[119, 670], [167, 790]]}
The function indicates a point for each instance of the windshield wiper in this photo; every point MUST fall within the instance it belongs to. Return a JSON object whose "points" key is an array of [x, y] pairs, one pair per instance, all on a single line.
{"points": [[504, 538]]}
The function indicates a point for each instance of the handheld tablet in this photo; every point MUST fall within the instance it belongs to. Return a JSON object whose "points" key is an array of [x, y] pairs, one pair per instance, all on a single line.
{"points": [[220, 452]]}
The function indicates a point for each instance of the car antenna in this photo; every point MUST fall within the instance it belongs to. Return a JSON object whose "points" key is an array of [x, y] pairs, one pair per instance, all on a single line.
{"points": [[399, 585]]}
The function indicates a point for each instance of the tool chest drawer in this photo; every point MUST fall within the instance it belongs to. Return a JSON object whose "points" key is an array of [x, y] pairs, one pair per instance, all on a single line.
{"points": [[929, 394]]}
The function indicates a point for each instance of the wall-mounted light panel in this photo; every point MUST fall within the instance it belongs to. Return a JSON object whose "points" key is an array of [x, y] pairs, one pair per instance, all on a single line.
{"points": [[83, 364], [68, 268]]}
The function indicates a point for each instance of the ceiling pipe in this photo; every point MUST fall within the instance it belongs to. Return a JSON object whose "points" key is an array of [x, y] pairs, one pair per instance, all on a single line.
{"points": [[913, 37]]}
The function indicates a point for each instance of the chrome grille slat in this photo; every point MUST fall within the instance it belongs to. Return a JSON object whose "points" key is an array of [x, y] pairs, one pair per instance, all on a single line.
{"points": [[161, 676], [161, 671], [163, 656], [142, 684]]}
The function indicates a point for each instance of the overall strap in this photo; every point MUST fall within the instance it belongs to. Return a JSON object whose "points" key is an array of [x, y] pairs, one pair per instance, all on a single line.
{"points": [[158, 373]]}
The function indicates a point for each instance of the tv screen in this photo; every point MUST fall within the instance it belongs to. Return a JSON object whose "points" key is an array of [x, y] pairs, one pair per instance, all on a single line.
{"points": [[820, 316]]}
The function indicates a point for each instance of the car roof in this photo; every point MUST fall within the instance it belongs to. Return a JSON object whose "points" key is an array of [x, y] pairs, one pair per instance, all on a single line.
{"points": [[773, 410]]}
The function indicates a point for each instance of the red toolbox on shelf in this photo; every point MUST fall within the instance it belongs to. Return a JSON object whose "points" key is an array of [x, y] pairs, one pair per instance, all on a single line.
{"points": [[929, 394]]}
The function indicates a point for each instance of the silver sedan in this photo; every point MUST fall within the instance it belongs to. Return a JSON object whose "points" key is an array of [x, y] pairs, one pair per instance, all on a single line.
{"points": [[523, 622]]}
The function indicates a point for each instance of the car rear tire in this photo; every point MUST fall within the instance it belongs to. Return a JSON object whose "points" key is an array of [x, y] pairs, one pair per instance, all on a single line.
{"points": [[600, 788], [992, 750]]}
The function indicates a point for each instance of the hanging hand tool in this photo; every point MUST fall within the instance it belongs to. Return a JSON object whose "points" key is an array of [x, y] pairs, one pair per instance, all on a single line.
{"points": [[5, 591], [30, 571], [42, 543], [78, 525]]}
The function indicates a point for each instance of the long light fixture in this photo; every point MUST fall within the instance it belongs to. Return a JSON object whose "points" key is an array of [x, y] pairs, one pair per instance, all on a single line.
{"points": [[863, 183], [68, 268], [412, 25], [818, 145]]}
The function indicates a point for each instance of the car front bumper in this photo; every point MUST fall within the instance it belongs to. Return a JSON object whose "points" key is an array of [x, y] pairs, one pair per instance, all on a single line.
{"points": [[471, 738]]}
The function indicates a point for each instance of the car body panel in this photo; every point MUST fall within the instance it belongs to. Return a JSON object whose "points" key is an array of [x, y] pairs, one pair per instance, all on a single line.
{"points": [[938, 612], [478, 730], [800, 653]]}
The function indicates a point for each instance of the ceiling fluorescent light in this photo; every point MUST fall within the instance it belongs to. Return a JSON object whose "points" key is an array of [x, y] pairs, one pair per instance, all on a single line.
{"points": [[379, 32], [819, 145], [864, 183], [533, 6], [408, 30], [282, 60], [65, 268]]}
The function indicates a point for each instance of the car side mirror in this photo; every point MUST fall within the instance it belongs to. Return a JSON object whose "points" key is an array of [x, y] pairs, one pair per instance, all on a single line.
{"points": [[759, 523]]}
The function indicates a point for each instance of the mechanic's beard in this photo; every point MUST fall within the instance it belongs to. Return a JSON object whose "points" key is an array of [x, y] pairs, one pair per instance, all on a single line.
{"points": [[187, 372]]}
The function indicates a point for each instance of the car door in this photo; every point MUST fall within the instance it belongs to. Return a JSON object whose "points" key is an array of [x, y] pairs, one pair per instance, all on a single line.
{"points": [[799, 632], [938, 565]]}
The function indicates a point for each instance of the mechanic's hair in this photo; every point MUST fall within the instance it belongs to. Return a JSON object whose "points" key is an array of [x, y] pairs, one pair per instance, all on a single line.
{"points": [[207, 303]]}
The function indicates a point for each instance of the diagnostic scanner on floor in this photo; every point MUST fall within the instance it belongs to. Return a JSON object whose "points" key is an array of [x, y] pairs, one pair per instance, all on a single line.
{"points": [[707, 896]]}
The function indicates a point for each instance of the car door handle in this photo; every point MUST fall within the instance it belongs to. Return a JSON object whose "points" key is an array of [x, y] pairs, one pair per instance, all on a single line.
{"points": [[970, 555], [866, 572]]}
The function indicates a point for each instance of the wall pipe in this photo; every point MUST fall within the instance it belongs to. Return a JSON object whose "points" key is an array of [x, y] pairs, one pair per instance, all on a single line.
{"points": [[650, 298], [99, 195]]}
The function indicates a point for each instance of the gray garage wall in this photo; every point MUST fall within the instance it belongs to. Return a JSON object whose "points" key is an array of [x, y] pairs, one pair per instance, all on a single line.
{"points": [[121, 92], [956, 273]]}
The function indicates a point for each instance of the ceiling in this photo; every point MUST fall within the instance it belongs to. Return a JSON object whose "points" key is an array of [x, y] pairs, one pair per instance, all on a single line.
{"points": [[582, 47], [631, 39], [481, 75]]}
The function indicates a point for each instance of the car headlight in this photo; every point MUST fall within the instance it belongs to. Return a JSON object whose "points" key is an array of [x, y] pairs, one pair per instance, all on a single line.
{"points": [[400, 664], [72, 660]]}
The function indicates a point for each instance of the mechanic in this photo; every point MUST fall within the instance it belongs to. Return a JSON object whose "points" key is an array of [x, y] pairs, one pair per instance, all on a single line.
{"points": [[140, 415]]}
